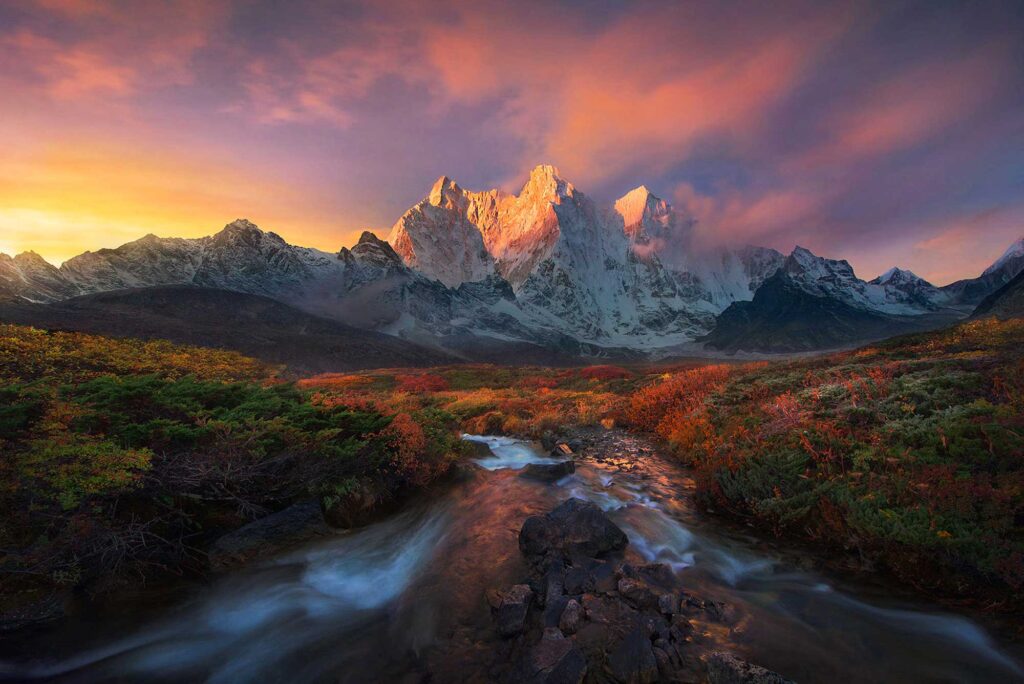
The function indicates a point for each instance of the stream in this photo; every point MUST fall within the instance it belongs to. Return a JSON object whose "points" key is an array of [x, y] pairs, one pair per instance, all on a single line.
{"points": [[402, 599]]}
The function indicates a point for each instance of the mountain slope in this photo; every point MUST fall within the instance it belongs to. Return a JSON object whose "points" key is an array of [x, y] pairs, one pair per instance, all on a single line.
{"points": [[1006, 302], [785, 316], [905, 286], [626, 276], [28, 276], [547, 271], [972, 291], [252, 324]]}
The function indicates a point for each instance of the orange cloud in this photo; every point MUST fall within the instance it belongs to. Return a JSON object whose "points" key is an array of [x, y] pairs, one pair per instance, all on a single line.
{"points": [[734, 217], [599, 104], [912, 106], [293, 87], [113, 52]]}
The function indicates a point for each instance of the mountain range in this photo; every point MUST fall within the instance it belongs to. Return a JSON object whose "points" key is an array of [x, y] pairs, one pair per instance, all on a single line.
{"points": [[545, 273]]}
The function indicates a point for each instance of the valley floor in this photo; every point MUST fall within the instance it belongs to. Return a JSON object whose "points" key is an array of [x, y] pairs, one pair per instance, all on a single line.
{"points": [[128, 461]]}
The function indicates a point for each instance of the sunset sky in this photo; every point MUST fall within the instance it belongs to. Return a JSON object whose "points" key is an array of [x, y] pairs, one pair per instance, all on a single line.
{"points": [[886, 133]]}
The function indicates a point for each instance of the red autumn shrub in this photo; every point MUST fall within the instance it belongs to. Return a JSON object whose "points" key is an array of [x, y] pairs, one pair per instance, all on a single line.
{"points": [[407, 442], [605, 373], [680, 393], [538, 382]]}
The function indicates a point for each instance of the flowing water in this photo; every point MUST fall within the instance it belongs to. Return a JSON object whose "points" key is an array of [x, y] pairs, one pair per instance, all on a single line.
{"points": [[404, 597]]}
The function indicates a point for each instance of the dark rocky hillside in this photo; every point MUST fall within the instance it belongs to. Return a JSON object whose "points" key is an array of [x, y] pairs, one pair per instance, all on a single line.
{"points": [[1006, 302], [252, 324], [783, 317]]}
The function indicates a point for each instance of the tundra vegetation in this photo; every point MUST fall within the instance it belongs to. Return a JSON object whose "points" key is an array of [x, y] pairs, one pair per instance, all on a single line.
{"points": [[124, 459], [908, 453]]}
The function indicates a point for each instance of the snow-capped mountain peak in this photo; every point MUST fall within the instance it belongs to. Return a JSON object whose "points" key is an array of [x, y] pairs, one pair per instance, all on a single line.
{"points": [[446, 193], [545, 266], [897, 275], [1016, 250], [546, 183], [895, 292], [803, 260], [640, 208]]}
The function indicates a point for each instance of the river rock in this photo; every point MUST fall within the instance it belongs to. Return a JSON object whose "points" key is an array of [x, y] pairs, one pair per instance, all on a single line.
{"points": [[693, 604], [656, 574], [725, 668], [664, 661], [637, 593], [605, 580], [571, 617], [562, 450], [668, 604], [556, 660], [479, 449], [574, 527], [548, 472], [509, 608], [578, 580], [599, 618], [633, 661], [271, 534]]}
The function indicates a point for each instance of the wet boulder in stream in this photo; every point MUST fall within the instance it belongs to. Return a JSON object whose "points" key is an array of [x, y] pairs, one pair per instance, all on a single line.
{"points": [[555, 660], [510, 608], [576, 527], [633, 661], [269, 535], [548, 472], [582, 615], [725, 668]]}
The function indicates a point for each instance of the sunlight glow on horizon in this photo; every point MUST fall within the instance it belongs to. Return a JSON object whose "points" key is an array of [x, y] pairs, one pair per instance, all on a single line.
{"points": [[826, 125]]}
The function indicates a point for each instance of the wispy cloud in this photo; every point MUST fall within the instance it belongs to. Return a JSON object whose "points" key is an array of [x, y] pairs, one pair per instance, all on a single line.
{"points": [[842, 126]]}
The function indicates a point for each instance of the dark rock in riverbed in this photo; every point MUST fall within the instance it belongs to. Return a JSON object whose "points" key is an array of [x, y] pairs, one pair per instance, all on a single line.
{"points": [[479, 449], [572, 615], [579, 580], [656, 574], [548, 472], [725, 668], [638, 594], [599, 619], [269, 535], [562, 450], [574, 527], [633, 661], [555, 660], [510, 608]]}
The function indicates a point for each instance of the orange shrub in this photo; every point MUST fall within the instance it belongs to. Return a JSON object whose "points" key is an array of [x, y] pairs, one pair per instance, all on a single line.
{"points": [[538, 382], [335, 382], [408, 443], [682, 392], [605, 373]]}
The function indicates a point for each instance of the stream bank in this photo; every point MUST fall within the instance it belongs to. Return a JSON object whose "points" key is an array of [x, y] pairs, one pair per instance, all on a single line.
{"points": [[407, 598]]}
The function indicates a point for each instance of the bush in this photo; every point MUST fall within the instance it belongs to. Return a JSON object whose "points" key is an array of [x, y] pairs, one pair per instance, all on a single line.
{"points": [[909, 451], [122, 456]]}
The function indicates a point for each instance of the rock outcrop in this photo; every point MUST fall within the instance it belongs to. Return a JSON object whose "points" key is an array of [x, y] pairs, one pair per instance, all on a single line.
{"points": [[269, 535], [584, 614]]}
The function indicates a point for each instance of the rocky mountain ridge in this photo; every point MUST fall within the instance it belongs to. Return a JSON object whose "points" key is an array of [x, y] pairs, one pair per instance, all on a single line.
{"points": [[547, 267]]}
